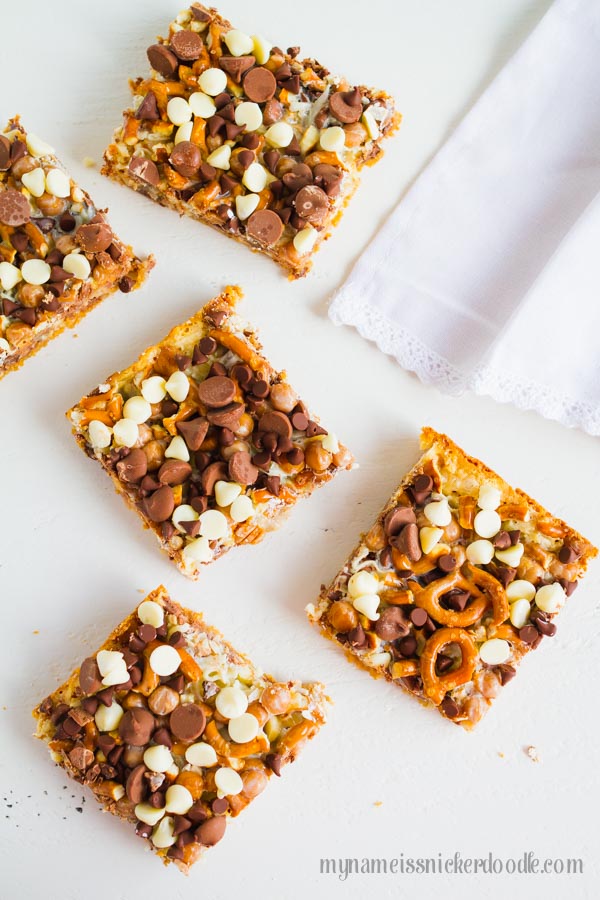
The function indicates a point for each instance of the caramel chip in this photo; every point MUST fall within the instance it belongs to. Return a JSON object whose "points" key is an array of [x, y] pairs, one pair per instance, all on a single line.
{"points": [[14, 208], [260, 85], [312, 204], [187, 722], [216, 391], [346, 106], [187, 45], [264, 226], [95, 237]]}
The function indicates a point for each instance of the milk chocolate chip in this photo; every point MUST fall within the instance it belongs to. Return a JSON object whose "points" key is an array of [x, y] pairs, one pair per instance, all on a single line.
{"points": [[162, 59], [159, 506], [14, 208], [94, 238], [346, 106], [217, 391], [264, 226], [187, 722], [144, 169], [260, 85]]}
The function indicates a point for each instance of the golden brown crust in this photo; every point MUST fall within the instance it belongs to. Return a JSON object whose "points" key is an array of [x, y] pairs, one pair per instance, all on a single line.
{"points": [[129, 141], [202, 639], [245, 346], [109, 274], [458, 478]]}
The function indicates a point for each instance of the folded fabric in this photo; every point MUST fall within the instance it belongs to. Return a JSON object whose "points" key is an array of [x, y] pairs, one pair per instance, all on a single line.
{"points": [[487, 275]]}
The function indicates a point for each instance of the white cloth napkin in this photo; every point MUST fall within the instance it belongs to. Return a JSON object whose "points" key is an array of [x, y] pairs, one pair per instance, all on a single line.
{"points": [[487, 275]]}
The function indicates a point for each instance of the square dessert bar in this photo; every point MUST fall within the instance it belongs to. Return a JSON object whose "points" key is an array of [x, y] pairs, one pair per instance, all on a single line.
{"points": [[173, 730], [234, 132], [205, 439], [458, 579], [58, 254]]}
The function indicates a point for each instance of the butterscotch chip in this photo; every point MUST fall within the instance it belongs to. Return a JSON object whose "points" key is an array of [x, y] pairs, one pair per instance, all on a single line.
{"points": [[222, 91], [436, 614], [161, 775], [207, 407]]}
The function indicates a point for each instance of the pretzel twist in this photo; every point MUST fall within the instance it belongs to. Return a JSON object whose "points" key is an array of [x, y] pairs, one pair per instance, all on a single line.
{"points": [[429, 600], [436, 686]]}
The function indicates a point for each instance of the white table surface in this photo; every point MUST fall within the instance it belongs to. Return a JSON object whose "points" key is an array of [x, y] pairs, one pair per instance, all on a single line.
{"points": [[385, 777]]}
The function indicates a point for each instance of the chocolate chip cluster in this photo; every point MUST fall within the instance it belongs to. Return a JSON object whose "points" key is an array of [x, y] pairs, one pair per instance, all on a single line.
{"points": [[205, 444], [256, 141], [163, 727]]}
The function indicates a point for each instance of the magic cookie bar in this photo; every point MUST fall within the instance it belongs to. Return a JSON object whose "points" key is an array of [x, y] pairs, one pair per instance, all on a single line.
{"points": [[205, 439], [460, 576], [174, 730], [251, 140], [58, 255]]}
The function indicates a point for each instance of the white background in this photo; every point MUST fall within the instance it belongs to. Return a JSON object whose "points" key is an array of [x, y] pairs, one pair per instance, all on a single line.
{"points": [[385, 777]]}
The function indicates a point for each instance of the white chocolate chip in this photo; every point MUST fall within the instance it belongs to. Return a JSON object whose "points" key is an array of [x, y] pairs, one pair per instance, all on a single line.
{"points": [[158, 758], [249, 115], [480, 553], [38, 147], [178, 799], [35, 271], [35, 181], [4, 345], [238, 42], [228, 782], [147, 814], [77, 265], [137, 409], [99, 434], [213, 81], [58, 183], [309, 139], [511, 556], [111, 665], [164, 833], [220, 157], [178, 111], [487, 523], [183, 513], [489, 496], [226, 492], [367, 604], [231, 702], [213, 525], [177, 449], [243, 728], [184, 133], [242, 509], [305, 240], [550, 597], [519, 612], [370, 124], [126, 433], [151, 613], [164, 660], [201, 754], [363, 583], [261, 49], [9, 276], [107, 718], [520, 589], [280, 134], [495, 651], [178, 386], [154, 389], [429, 537], [438, 513], [255, 177], [197, 551], [378, 659], [245, 204], [330, 442], [202, 105], [333, 139]]}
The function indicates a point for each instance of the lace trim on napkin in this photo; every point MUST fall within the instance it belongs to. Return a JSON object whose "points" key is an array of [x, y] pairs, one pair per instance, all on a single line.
{"points": [[431, 368]]}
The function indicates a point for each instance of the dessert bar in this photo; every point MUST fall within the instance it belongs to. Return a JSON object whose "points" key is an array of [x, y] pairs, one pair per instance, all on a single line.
{"points": [[459, 578], [173, 730], [58, 255], [205, 439], [232, 131]]}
